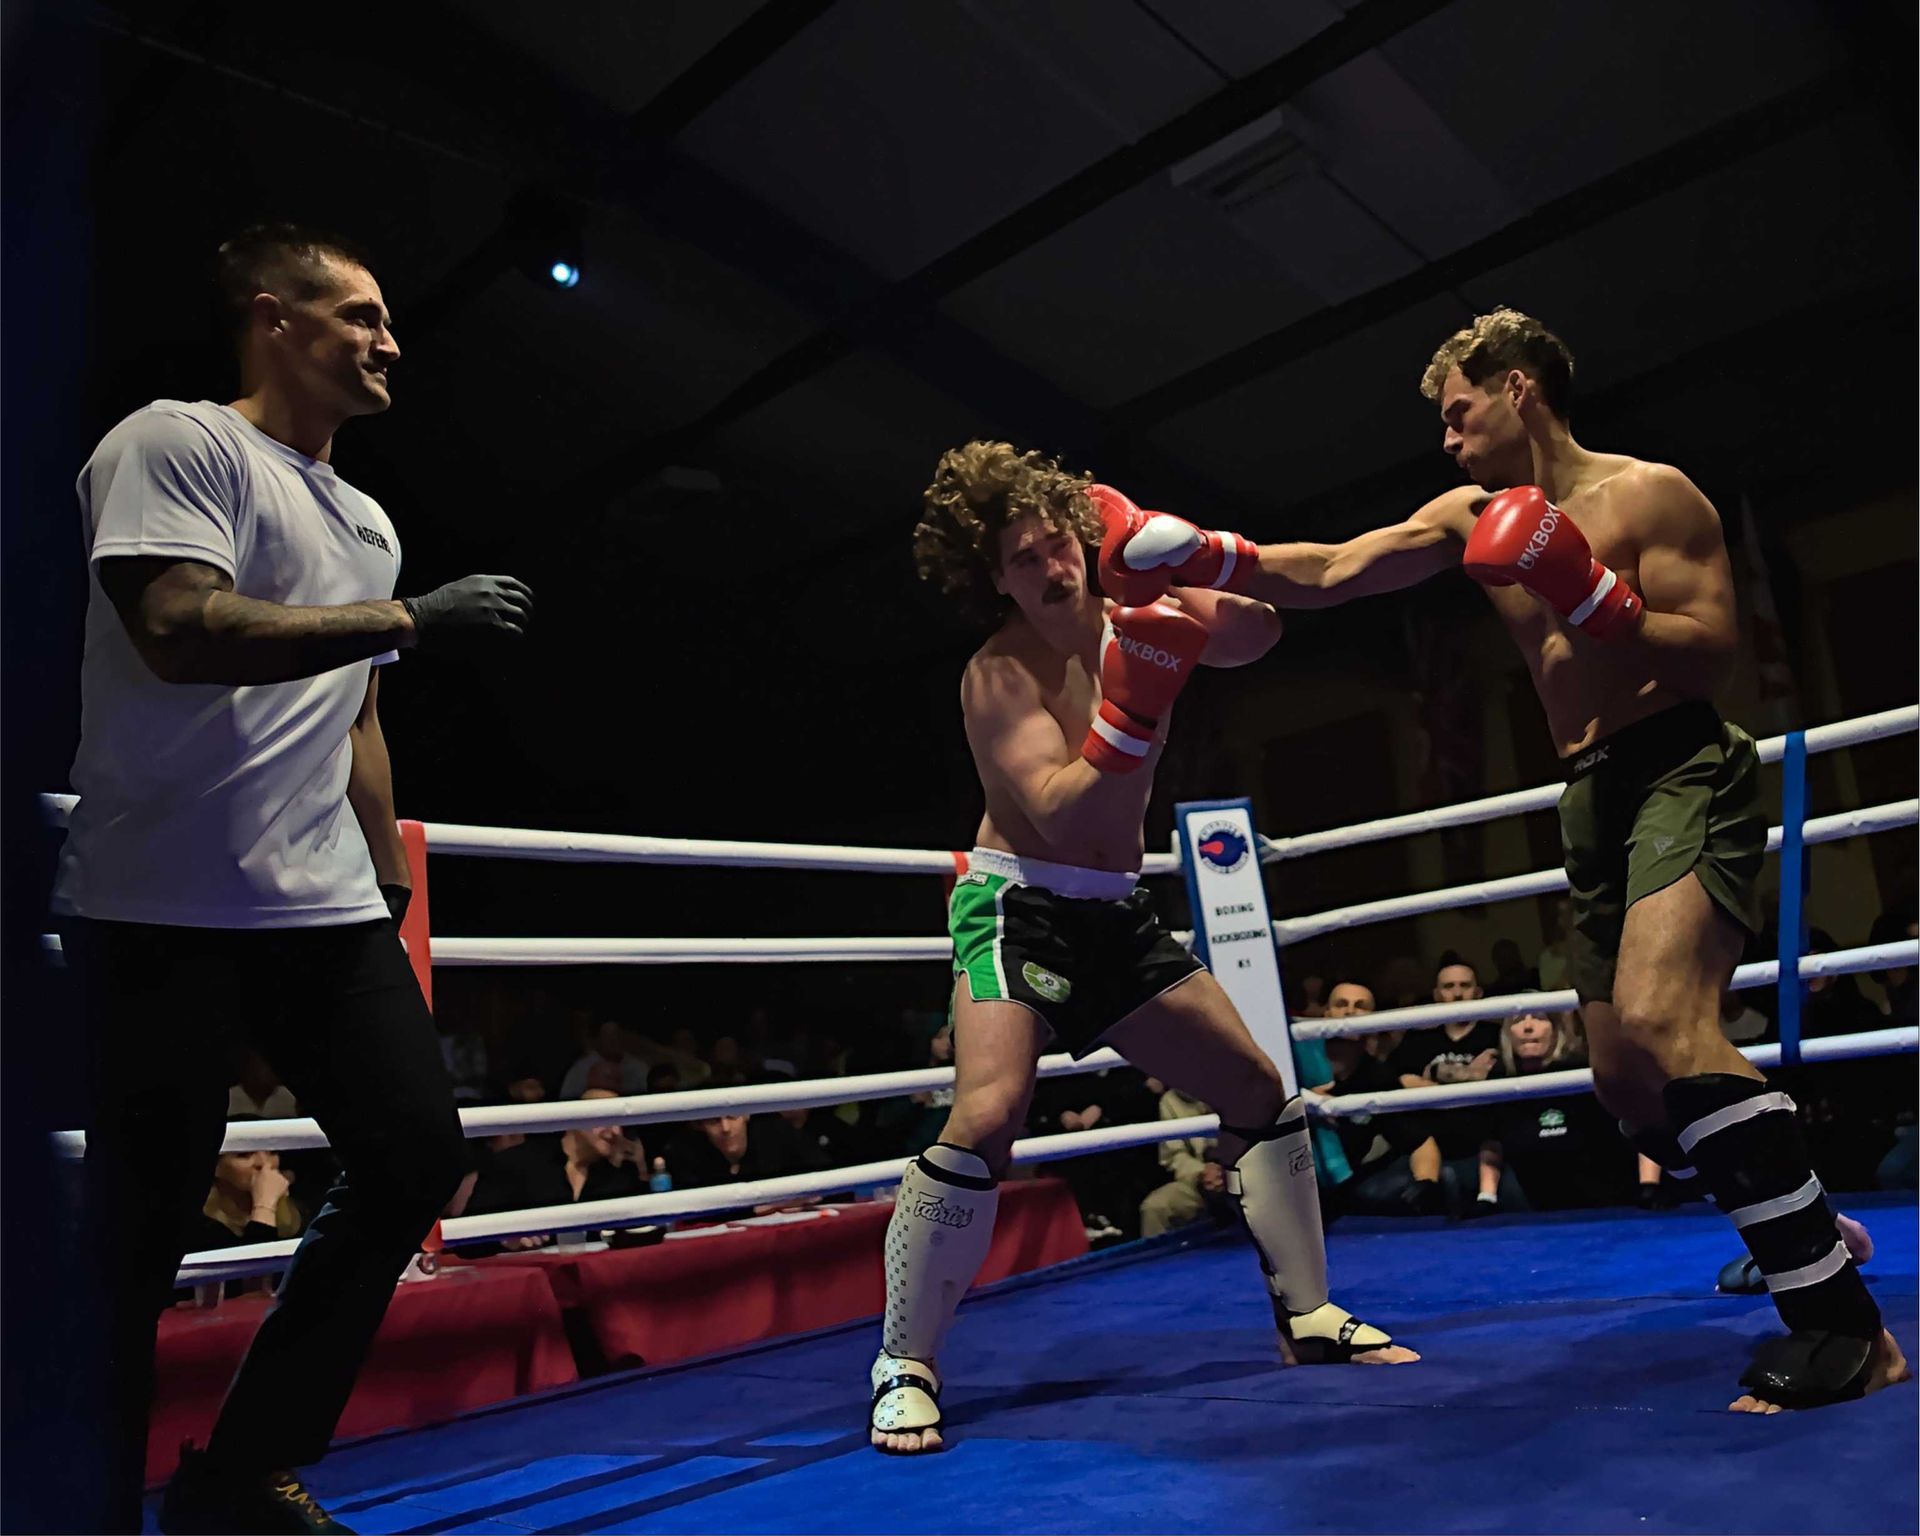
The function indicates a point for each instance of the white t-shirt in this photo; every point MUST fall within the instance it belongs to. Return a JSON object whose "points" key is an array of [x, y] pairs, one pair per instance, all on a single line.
{"points": [[200, 804]]}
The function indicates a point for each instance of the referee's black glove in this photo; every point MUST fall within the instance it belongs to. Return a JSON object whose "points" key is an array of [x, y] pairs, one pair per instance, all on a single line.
{"points": [[474, 608], [398, 899]]}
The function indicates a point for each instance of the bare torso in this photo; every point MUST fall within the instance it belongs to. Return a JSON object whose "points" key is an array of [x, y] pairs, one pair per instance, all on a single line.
{"points": [[1588, 689], [1068, 690]]}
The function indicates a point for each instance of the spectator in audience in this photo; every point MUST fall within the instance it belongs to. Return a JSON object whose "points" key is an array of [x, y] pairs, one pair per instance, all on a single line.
{"points": [[1739, 1023], [608, 1065], [250, 1202], [1108, 1186], [1550, 970], [733, 1149], [259, 1095], [1510, 972], [589, 1163], [663, 1077], [1890, 927], [1450, 1053], [1566, 1152], [1445, 1167], [1348, 999], [1196, 1186]]}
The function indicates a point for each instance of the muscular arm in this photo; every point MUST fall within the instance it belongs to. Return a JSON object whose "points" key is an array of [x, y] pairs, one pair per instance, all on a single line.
{"points": [[1019, 747], [1382, 560], [1239, 629], [1687, 631], [190, 626], [370, 791]]}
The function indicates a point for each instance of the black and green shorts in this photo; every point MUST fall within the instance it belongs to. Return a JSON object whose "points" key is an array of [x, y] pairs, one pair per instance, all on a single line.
{"points": [[1081, 948], [1674, 794]]}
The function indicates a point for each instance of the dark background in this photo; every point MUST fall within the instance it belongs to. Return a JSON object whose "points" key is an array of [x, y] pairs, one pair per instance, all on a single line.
{"points": [[1202, 250]]}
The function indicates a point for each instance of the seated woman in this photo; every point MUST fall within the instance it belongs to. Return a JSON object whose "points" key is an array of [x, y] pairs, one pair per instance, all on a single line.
{"points": [[249, 1203], [1566, 1151]]}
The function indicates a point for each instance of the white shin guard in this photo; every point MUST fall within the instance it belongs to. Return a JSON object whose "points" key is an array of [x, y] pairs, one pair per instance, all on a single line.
{"points": [[1277, 1191], [1275, 1187], [938, 1239]]}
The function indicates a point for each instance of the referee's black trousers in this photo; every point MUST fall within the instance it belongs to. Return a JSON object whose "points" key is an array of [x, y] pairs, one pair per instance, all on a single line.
{"points": [[339, 1015]]}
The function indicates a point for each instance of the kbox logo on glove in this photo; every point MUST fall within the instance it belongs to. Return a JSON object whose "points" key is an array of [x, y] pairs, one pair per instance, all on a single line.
{"points": [[1149, 653], [1540, 537]]}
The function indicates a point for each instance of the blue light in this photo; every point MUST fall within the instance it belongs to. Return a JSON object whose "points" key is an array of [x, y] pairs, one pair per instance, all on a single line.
{"points": [[564, 274]]}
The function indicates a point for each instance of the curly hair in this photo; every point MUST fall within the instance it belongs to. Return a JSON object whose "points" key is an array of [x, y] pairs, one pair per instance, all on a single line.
{"points": [[1497, 342], [977, 491]]}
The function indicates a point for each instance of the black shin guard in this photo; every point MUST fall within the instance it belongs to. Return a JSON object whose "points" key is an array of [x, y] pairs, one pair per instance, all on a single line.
{"points": [[1743, 1138]]}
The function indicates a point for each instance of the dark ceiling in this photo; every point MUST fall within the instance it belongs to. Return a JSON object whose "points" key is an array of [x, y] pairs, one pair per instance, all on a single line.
{"points": [[1202, 249]]}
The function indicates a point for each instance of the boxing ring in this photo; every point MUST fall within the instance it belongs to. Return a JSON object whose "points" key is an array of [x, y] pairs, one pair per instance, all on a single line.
{"points": [[1576, 1366]]}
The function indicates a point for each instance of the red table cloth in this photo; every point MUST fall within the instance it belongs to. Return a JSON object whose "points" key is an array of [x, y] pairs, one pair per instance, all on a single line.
{"points": [[470, 1336], [718, 1287]]}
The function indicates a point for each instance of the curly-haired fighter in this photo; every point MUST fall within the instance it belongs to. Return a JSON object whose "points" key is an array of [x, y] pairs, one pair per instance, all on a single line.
{"points": [[1066, 710], [1611, 575]]}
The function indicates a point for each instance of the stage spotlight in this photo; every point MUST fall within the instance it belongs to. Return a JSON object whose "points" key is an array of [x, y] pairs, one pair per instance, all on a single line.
{"points": [[543, 234]]}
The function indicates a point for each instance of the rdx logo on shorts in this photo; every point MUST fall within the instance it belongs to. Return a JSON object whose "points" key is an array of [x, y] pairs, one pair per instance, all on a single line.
{"points": [[933, 1208], [1223, 845], [1148, 653], [1537, 540]]}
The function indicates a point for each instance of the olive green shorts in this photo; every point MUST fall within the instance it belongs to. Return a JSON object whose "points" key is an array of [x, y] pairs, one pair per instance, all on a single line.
{"points": [[1677, 792]]}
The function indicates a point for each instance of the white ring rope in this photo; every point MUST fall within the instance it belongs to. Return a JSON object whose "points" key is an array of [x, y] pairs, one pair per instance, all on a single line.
{"points": [[1762, 973], [1290, 930], [1821, 738], [594, 1215], [613, 848], [1546, 1085], [639, 1109], [1819, 829], [634, 1210], [623, 848]]}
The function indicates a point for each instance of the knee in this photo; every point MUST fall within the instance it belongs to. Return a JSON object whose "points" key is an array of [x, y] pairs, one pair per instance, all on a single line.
{"points": [[986, 1121], [1254, 1100]]}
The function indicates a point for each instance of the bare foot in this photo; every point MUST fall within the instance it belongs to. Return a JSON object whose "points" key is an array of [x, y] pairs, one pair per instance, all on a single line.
{"points": [[1886, 1367], [905, 1418], [1858, 1239], [907, 1442]]}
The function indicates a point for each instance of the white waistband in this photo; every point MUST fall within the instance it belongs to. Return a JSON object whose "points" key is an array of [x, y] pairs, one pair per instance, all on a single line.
{"points": [[1062, 879]]}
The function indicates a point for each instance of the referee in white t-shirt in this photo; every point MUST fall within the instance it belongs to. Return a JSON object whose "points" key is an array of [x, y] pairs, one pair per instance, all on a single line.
{"points": [[233, 874]]}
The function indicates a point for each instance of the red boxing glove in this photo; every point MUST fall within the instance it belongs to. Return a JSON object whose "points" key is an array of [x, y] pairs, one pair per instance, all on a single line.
{"points": [[1144, 553], [1522, 537], [1145, 660]]}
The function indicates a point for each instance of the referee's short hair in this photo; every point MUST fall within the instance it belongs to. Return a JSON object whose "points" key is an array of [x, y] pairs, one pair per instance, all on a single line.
{"points": [[287, 260]]}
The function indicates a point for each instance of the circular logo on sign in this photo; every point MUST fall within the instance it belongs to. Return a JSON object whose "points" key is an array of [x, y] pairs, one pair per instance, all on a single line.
{"points": [[1223, 845]]}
